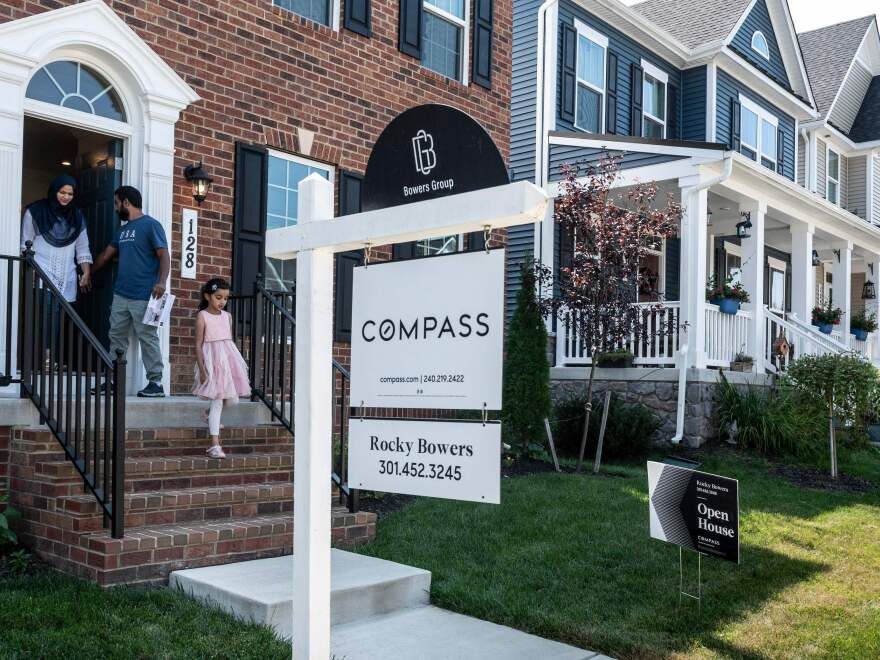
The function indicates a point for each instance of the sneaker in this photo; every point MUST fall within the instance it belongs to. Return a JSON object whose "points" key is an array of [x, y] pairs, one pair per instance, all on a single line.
{"points": [[216, 451], [152, 390], [104, 388]]}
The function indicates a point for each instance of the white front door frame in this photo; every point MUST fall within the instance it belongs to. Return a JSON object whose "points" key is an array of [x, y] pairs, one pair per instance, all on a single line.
{"points": [[152, 94]]}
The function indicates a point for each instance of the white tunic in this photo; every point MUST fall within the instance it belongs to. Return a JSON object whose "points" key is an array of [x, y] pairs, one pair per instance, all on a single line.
{"points": [[59, 263]]}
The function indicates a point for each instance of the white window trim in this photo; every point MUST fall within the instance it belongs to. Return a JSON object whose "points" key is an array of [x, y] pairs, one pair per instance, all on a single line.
{"points": [[334, 9], [463, 34], [660, 76], [828, 177], [766, 55], [763, 115], [318, 165], [584, 30]]}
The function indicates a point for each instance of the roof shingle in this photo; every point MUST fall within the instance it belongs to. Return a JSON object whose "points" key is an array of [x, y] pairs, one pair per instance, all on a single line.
{"points": [[828, 52], [693, 22]]}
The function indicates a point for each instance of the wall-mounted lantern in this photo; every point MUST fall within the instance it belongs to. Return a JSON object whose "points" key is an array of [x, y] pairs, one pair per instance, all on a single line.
{"points": [[816, 260], [200, 181], [743, 229], [869, 292]]}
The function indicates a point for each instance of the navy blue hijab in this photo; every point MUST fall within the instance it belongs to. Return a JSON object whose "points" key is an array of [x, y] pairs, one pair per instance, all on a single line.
{"points": [[58, 225]]}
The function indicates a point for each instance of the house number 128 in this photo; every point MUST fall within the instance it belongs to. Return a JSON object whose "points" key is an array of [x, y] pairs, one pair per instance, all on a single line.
{"points": [[190, 244]]}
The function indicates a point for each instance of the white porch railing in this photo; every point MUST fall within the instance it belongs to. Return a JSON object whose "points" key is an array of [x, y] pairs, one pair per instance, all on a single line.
{"points": [[802, 338], [648, 349], [726, 335]]}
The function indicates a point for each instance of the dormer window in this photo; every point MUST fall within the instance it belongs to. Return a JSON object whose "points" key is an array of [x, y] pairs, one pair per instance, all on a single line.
{"points": [[760, 45], [591, 51]]}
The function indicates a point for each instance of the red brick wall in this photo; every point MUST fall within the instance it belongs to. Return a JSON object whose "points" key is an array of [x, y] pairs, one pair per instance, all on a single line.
{"points": [[261, 72], [5, 439]]}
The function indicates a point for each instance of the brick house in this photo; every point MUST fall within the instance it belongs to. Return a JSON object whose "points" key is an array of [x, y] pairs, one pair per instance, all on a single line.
{"points": [[261, 93]]}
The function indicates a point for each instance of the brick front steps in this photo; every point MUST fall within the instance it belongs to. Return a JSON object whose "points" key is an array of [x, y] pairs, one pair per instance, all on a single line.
{"points": [[182, 509]]}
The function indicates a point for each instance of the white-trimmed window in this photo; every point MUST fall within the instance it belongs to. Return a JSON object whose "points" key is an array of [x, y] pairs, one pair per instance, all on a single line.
{"points": [[430, 247], [760, 45], [654, 84], [592, 52], [733, 262], [286, 171], [319, 11], [444, 37], [758, 133], [777, 269], [832, 176]]}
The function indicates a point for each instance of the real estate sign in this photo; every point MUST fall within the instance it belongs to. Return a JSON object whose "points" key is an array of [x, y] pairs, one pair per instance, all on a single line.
{"points": [[453, 460], [428, 333], [695, 510]]}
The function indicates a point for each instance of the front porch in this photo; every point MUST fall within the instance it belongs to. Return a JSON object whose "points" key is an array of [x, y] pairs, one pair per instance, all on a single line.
{"points": [[798, 252]]}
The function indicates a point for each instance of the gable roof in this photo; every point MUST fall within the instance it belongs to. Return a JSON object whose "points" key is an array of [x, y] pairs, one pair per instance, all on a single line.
{"points": [[866, 127], [694, 22], [828, 53]]}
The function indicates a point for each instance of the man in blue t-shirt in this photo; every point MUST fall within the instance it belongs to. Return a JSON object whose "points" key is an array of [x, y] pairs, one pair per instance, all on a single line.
{"points": [[144, 264]]}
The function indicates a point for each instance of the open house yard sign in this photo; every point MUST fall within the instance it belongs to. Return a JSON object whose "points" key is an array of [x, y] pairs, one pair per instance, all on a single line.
{"points": [[428, 334]]}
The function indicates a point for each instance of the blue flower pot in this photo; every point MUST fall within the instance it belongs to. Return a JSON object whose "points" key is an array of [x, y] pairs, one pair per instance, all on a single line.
{"points": [[826, 328], [715, 301], [861, 335], [729, 306]]}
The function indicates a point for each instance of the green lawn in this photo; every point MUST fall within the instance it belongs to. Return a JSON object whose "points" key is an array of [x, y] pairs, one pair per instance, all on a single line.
{"points": [[569, 557], [53, 616]]}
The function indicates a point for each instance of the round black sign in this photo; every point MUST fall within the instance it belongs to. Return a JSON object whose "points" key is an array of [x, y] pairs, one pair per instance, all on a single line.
{"points": [[430, 151]]}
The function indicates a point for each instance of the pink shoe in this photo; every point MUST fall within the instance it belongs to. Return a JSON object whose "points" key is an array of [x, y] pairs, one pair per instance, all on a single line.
{"points": [[215, 451]]}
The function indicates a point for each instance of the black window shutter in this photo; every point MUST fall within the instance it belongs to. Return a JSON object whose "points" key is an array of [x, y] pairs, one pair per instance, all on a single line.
{"points": [[568, 74], [735, 124], [349, 202], [482, 69], [635, 124], [357, 16], [410, 29], [673, 268], [476, 241], [566, 248], [611, 95], [249, 216], [672, 112], [780, 150]]}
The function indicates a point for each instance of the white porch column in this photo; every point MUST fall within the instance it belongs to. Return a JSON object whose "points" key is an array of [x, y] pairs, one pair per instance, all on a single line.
{"points": [[842, 284], [693, 266], [313, 423], [872, 264], [803, 276], [753, 280]]}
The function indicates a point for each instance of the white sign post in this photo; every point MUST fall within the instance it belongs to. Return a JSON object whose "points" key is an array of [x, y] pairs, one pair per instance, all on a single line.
{"points": [[314, 243], [428, 333]]}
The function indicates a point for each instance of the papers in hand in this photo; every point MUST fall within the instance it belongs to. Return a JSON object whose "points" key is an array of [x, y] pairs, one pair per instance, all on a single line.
{"points": [[159, 310]]}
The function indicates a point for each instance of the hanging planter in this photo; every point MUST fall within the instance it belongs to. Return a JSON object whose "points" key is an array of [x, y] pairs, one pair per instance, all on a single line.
{"points": [[826, 318], [862, 324], [729, 296]]}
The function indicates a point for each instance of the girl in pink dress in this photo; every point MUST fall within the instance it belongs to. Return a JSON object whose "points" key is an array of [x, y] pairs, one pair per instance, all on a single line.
{"points": [[221, 372]]}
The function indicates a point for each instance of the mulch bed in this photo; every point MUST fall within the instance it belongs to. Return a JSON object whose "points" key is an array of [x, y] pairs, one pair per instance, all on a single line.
{"points": [[821, 479]]}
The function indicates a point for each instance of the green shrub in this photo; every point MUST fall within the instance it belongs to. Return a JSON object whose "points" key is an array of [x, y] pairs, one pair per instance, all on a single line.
{"points": [[7, 536], [773, 421], [526, 369], [627, 434], [844, 383]]}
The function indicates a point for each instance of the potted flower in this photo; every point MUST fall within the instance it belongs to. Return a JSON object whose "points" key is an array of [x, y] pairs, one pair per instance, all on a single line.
{"points": [[826, 318], [861, 324], [617, 359], [741, 362], [728, 296]]}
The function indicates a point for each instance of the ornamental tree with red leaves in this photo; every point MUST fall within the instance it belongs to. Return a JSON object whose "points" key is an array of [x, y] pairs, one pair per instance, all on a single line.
{"points": [[611, 230]]}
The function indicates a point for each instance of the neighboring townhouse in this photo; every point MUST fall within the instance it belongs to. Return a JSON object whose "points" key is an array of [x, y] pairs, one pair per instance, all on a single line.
{"points": [[713, 101]]}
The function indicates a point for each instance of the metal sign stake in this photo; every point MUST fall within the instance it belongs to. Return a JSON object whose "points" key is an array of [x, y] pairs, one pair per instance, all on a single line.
{"points": [[681, 592]]}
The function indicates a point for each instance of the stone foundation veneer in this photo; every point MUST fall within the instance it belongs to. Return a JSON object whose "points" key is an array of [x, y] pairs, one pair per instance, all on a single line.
{"points": [[658, 390]]}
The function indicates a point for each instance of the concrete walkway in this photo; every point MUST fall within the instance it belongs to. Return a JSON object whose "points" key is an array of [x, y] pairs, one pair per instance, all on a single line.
{"points": [[379, 610]]}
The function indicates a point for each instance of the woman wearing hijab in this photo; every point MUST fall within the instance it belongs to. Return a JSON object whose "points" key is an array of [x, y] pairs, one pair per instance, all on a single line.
{"points": [[57, 231]]}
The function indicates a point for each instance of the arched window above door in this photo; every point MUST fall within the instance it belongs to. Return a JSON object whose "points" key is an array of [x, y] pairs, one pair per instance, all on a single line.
{"points": [[77, 87]]}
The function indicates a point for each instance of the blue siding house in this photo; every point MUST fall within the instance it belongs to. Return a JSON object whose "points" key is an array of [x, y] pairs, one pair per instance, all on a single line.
{"points": [[715, 103]]}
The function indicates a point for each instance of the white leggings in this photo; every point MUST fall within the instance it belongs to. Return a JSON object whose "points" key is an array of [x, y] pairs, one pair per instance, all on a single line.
{"points": [[214, 416]]}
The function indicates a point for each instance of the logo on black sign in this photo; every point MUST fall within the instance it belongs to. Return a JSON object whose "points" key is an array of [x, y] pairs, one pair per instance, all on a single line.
{"points": [[423, 150]]}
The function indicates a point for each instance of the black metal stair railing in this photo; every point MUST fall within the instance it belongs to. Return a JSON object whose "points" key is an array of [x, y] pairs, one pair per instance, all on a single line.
{"points": [[264, 327], [61, 367]]}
